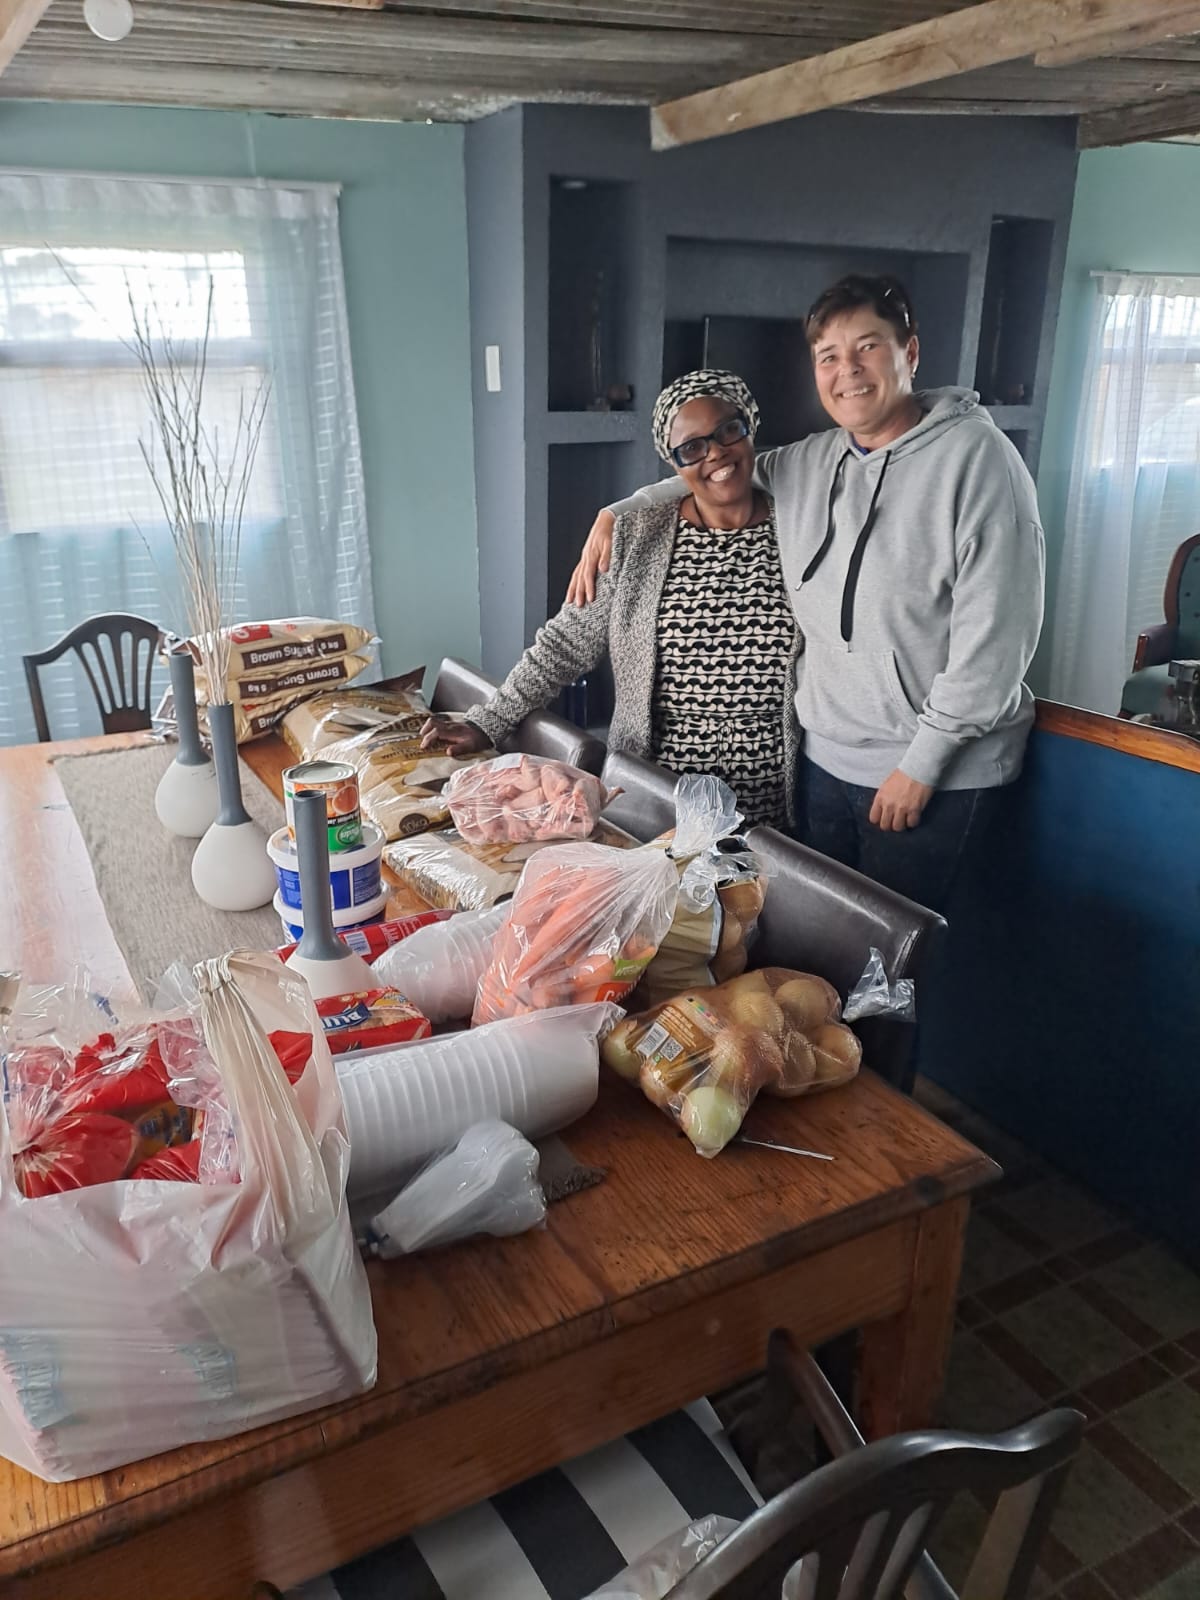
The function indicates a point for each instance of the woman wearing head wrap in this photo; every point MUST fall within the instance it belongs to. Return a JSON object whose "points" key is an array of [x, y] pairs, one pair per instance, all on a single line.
{"points": [[912, 546], [692, 615]]}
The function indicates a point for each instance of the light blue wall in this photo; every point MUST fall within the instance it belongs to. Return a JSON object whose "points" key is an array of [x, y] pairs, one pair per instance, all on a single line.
{"points": [[404, 245], [1137, 208]]}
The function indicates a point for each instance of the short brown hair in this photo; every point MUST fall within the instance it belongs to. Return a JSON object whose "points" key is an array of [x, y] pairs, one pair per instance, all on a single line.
{"points": [[886, 296]]}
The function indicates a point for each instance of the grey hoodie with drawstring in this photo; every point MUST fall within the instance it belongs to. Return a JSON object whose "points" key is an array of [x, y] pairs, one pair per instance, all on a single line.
{"points": [[916, 573]]}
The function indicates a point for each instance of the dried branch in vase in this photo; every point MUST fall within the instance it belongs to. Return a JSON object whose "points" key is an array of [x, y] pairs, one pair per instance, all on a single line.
{"points": [[201, 480]]}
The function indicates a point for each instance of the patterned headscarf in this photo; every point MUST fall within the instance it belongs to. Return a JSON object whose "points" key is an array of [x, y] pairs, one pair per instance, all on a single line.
{"points": [[711, 384]]}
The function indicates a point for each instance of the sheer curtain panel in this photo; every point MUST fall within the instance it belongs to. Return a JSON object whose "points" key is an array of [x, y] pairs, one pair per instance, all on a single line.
{"points": [[1135, 480], [81, 528]]}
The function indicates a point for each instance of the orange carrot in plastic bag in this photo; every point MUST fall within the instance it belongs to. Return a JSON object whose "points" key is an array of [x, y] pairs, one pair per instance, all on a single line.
{"points": [[583, 924]]}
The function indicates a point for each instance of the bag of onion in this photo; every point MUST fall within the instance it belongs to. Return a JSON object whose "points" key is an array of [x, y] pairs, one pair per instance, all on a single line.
{"points": [[702, 1056]]}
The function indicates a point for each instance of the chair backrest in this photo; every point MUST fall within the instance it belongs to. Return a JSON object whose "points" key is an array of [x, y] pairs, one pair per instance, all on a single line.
{"points": [[646, 806], [1181, 598], [460, 686], [820, 916], [861, 1524], [117, 652]]}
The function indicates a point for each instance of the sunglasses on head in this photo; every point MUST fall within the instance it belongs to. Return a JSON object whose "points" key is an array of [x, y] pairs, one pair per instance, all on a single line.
{"points": [[693, 451]]}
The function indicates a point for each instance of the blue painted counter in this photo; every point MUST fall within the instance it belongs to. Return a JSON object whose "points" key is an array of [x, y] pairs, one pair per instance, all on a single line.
{"points": [[1067, 1008]]}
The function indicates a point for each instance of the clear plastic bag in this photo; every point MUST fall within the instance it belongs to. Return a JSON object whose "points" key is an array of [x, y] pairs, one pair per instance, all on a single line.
{"points": [[703, 1056], [87, 1098], [378, 731], [874, 996], [439, 967], [447, 871], [582, 926], [517, 798], [722, 886], [654, 1575], [488, 1183], [141, 1316]]}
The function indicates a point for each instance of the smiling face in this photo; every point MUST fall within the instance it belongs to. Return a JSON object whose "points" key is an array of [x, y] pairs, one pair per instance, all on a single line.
{"points": [[723, 477], [864, 375]]}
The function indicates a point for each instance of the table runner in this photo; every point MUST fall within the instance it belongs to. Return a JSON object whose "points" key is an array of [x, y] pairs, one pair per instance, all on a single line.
{"points": [[143, 872]]}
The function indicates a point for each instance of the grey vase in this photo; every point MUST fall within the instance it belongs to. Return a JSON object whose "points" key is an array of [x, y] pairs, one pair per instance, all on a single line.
{"points": [[186, 799]]}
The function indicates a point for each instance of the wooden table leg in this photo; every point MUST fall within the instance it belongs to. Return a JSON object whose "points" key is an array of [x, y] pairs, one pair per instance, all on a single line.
{"points": [[903, 1359]]}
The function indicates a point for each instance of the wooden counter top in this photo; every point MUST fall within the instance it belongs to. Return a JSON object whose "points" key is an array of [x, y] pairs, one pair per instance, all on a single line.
{"points": [[1163, 745]]}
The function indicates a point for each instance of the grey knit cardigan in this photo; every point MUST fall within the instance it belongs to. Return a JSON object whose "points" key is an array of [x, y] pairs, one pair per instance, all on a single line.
{"points": [[622, 623]]}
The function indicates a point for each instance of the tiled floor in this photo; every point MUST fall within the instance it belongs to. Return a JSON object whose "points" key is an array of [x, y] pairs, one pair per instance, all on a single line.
{"points": [[1064, 1303]]}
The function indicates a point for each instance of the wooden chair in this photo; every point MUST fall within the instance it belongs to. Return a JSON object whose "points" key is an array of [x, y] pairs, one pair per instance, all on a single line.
{"points": [[119, 677], [1177, 638], [460, 686], [860, 1526]]}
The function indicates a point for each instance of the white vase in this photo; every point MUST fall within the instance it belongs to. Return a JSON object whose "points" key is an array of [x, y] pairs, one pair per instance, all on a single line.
{"points": [[187, 798], [230, 869]]}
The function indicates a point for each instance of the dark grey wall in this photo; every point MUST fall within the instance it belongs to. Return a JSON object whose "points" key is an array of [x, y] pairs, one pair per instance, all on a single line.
{"points": [[914, 193]]}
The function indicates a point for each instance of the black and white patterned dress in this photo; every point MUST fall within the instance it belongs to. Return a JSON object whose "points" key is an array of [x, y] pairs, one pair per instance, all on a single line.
{"points": [[726, 634]]}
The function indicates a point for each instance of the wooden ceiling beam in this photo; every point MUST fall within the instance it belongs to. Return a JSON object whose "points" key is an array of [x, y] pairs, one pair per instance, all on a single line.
{"points": [[977, 36], [1123, 40], [1157, 119], [18, 19]]}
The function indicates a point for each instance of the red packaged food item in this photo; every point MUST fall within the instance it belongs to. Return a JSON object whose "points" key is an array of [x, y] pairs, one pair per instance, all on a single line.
{"points": [[374, 1017], [118, 1081], [360, 1021], [373, 940], [75, 1151], [178, 1163], [93, 1116]]}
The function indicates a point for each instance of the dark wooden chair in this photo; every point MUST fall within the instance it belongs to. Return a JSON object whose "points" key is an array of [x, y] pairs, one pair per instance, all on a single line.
{"points": [[119, 675], [1177, 638], [459, 686], [862, 1524]]}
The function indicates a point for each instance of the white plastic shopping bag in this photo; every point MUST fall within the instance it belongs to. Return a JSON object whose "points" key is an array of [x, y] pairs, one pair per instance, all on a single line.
{"points": [[139, 1316]]}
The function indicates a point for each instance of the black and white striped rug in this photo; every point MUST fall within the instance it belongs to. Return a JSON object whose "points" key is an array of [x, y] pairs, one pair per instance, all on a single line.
{"points": [[563, 1534]]}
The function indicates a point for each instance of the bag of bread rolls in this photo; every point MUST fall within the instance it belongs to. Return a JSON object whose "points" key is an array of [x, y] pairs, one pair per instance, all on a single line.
{"points": [[722, 885], [378, 731], [702, 1056]]}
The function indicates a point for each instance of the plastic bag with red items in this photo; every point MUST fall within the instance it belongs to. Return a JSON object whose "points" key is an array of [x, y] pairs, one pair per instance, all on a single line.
{"points": [[84, 1106], [518, 798], [582, 926], [141, 1316]]}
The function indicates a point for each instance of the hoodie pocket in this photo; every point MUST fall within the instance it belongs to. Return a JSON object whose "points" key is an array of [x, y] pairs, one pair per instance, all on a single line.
{"points": [[854, 697]]}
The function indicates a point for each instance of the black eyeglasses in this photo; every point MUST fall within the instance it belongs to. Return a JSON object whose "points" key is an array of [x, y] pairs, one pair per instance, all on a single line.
{"points": [[693, 451]]}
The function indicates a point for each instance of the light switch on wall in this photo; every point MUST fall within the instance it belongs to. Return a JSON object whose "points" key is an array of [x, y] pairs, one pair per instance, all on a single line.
{"points": [[491, 367]]}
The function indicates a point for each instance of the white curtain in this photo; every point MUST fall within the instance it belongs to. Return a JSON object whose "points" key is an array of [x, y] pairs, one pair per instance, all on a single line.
{"points": [[81, 530], [1135, 480]]}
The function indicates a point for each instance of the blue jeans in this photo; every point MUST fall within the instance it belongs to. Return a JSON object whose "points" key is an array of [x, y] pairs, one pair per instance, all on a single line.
{"points": [[922, 862]]}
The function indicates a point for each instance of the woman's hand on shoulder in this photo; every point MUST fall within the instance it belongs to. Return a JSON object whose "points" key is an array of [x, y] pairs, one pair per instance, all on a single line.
{"points": [[460, 738], [594, 559]]}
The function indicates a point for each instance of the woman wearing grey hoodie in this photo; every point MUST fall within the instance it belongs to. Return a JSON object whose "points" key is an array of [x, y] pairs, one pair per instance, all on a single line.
{"points": [[913, 553]]}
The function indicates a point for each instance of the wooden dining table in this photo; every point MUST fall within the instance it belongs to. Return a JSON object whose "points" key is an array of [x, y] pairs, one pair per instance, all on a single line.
{"points": [[499, 1358]]}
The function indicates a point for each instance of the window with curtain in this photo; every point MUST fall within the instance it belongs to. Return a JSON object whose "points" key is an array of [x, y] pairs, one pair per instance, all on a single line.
{"points": [[81, 528], [1135, 480]]}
